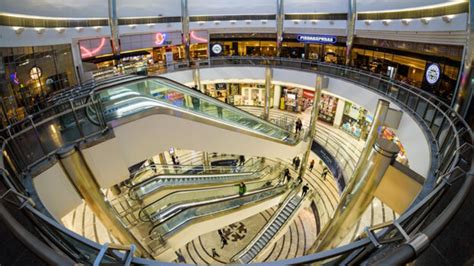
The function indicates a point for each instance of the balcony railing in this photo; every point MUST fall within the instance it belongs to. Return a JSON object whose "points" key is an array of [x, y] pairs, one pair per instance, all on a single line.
{"points": [[36, 139]]}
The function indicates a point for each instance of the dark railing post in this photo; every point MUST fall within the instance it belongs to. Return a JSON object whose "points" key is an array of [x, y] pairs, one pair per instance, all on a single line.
{"points": [[76, 119]]}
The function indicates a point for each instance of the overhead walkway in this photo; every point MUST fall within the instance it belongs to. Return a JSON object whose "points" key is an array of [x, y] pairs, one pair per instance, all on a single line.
{"points": [[275, 227]]}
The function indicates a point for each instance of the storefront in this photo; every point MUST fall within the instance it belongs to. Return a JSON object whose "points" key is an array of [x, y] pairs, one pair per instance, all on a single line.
{"points": [[140, 52], [244, 44], [325, 48], [410, 63], [30, 74], [355, 120]]}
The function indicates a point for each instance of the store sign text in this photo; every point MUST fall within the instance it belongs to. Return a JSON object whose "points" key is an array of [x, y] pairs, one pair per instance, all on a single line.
{"points": [[316, 38]]}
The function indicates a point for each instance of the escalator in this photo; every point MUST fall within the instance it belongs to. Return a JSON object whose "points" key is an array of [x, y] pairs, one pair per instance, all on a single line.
{"points": [[275, 226], [136, 96], [147, 187], [206, 217], [166, 207]]}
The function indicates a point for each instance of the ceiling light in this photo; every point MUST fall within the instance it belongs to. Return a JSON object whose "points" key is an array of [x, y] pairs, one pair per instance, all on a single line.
{"points": [[201, 23], [314, 21], [18, 30], [40, 30], [217, 22], [386, 22], [331, 22], [60, 30], [79, 29], [406, 21], [368, 22], [132, 26], [296, 21], [151, 25], [425, 20], [97, 28], [264, 21], [248, 21], [233, 22], [448, 18]]}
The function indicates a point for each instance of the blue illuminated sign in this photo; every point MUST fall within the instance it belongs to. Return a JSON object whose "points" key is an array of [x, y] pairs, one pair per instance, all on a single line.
{"points": [[307, 38]]}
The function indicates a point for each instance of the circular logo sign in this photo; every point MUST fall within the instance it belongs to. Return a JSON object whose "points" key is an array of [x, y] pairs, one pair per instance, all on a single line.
{"points": [[433, 72], [35, 73], [216, 48]]}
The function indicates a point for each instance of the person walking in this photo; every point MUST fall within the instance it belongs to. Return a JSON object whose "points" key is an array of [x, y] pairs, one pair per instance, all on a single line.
{"points": [[214, 253], [324, 173], [305, 190], [173, 158], [297, 163], [242, 189], [223, 239], [311, 165], [288, 178], [241, 160], [299, 180], [180, 257], [294, 161], [177, 160]]}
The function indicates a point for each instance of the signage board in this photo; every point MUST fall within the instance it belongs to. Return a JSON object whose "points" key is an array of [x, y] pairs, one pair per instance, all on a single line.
{"points": [[311, 38], [433, 73]]}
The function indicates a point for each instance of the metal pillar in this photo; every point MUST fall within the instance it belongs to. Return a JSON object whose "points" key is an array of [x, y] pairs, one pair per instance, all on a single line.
{"points": [[354, 203], [205, 158], [372, 164], [114, 28], [464, 92], [197, 77], [185, 28], [81, 177], [280, 17], [351, 19], [268, 87], [312, 124], [163, 162]]}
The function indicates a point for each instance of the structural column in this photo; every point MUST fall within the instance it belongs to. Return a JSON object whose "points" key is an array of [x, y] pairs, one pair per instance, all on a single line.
{"points": [[205, 158], [351, 19], [268, 87], [373, 162], [312, 124], [114, 29], [463, 94], [280, 18], [85, 183], [185, 28]]}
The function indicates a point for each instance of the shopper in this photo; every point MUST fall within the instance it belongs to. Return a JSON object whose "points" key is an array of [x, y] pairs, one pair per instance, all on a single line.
{"points": [[324, 173], [305, 190], [219, 111], [242, 189], [173, 158], [241, 160], [297, 163], [294, 161], [223, 239], [288, 178], [196, 103], [311, 165], [214, 253], [299, 180], [298, 125], [177, 160], [180, 257]]}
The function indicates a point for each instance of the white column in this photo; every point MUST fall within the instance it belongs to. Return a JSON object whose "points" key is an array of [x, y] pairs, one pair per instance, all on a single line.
{"points": [[339, 113], [276, 96]]}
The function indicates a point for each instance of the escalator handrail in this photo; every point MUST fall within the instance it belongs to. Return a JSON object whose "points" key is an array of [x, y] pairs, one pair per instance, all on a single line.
{"points": [[199, 189], [270, 221], [183, 222]]}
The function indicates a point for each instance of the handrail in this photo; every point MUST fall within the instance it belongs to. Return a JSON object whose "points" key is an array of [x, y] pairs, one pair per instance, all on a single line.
{"points": [[451, 124]]}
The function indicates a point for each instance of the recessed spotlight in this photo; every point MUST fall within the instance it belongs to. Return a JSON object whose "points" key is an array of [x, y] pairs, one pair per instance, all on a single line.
{"points": [[406, 21], [79, 29], [233, 21], [425, 21], [151, 25], [296, 21], [264, 21], [132, 26], [331, 22], [248, 21], [201, 23], [18, 30], [60, 29], [386, 22], [368, 22], [40, 30], [314, 21], [97, 28], [448, 18], [217, 22]]}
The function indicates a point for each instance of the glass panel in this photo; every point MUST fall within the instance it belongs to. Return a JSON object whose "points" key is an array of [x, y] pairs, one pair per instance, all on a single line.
{"points": [[132, 98]]}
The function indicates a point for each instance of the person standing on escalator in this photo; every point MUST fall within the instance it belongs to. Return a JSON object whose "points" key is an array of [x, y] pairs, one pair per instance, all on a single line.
{"points": [[219, 111], [241, 160], [242, 189], [196, 103]]}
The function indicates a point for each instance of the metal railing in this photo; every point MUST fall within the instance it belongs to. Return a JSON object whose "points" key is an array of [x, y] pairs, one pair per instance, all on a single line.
{"points": [[36, 140]]}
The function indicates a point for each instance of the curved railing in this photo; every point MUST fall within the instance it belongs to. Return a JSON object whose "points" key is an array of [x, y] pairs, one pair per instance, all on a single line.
{"points": [[37, 138]]}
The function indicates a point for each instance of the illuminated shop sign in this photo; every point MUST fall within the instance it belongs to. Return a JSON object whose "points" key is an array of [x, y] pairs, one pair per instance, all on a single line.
{"points": [[199, 36], [307, 38], [95, 47], [160, 38]]}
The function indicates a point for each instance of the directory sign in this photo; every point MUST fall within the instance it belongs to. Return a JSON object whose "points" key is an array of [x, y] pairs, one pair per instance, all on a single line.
{"points": [[311, 38]]}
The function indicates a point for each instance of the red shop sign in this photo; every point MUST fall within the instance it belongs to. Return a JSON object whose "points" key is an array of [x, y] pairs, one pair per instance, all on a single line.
{"points": [[308, 94]]}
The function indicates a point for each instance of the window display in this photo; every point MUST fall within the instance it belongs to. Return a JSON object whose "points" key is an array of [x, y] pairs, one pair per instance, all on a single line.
{"points": [[355, 120], [327, 108]]}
